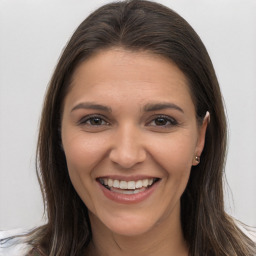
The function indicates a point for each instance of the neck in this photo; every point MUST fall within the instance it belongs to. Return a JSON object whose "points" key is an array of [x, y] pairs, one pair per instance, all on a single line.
{"points": [[165, 238]]}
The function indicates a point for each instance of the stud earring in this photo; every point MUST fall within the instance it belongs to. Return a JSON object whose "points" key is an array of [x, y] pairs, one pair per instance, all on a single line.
{"points": [[197, 158]]}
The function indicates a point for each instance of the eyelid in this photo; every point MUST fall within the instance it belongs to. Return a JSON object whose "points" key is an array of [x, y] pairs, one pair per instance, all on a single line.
{"points": [[172, 120], [84, 119]]}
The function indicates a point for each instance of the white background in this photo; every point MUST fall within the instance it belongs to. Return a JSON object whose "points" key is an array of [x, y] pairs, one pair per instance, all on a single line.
{"points": [[32, 36]]}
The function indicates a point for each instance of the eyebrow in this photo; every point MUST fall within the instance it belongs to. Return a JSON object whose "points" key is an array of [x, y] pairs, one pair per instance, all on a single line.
{"points": [[91, 105], [161, 106], [147, 108]]}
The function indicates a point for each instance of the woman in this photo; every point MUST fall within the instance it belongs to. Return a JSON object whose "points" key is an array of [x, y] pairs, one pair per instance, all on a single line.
{"points": [[132, 142]]}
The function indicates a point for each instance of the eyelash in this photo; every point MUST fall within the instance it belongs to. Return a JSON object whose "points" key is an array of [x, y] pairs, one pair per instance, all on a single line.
{"points": [[169, 121], [90, 118]]}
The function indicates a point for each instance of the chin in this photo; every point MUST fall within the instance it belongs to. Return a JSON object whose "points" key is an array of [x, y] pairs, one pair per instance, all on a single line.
{"points": [[130, 226]]}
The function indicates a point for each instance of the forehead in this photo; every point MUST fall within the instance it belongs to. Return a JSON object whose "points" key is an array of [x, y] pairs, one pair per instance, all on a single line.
{"points": [[135, 63], [127, 75]]}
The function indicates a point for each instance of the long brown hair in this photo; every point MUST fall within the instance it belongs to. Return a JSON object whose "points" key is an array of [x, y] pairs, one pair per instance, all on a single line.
{"points": [[139, 26]]}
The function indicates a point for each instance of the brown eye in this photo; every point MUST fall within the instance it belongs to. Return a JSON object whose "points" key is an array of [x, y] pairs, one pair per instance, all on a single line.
{"points": [[93, 121], [163, 121]]}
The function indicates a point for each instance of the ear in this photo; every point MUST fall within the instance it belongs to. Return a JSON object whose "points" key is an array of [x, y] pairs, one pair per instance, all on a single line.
{"points": [[201, 139]]}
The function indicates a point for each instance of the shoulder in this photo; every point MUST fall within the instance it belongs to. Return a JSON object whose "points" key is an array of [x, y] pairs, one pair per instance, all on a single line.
{"points": [[12, 243]]}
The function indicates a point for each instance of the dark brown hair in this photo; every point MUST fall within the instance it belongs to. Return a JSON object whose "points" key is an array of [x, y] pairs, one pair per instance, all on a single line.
{"points": [[139, 26]]}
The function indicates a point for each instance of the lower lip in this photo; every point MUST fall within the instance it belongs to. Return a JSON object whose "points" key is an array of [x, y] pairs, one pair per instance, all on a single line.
{"points": [[130, 198]]}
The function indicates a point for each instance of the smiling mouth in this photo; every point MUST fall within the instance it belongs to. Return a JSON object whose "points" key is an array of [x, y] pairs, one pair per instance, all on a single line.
{"points": [[127, 187]]}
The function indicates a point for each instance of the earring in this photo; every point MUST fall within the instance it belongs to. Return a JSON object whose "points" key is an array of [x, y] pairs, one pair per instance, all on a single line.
{"points": [[197, 158]]}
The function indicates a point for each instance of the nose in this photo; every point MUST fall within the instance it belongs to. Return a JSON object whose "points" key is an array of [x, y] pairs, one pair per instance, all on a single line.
{"points": [[128, 147]]}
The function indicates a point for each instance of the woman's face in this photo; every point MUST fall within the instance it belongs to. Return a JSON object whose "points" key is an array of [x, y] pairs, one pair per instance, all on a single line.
{"points": [[130, 137]]}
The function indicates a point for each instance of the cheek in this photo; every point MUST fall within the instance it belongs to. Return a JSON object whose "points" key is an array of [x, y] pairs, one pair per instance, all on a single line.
{"points": [[175, 153], [82, 156], [83, 152]]}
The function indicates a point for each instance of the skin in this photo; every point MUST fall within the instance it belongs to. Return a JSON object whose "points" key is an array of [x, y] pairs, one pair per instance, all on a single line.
{"points": [[126, 140]]}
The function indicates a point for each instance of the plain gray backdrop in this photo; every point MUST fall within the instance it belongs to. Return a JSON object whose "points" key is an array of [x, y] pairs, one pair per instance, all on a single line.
{"points": [[32, 36]]}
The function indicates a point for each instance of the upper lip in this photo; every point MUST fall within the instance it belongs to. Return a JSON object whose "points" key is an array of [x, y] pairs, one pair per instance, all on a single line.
{"points": [[127, 178]]}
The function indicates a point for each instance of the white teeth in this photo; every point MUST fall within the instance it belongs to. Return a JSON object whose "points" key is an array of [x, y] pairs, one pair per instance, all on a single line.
{"points": [[138, 184], [116, 184], [131, 184], [121, 184], [110, 182], [127, 192], [145, 183]]}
